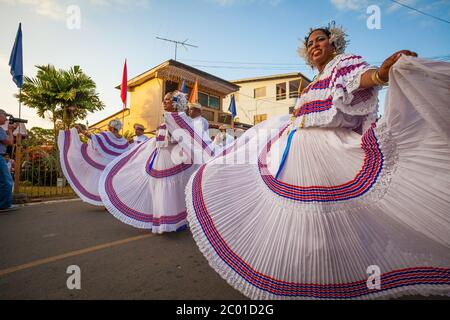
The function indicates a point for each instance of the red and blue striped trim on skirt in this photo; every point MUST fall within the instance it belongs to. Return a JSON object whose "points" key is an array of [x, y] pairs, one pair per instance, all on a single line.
{"points": [[390, 280], [129, 212], [363, 181], [75, 183], [166, 172]]}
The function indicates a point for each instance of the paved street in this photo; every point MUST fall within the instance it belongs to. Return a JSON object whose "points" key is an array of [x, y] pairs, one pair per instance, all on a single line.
{"points": [[38, 243]]}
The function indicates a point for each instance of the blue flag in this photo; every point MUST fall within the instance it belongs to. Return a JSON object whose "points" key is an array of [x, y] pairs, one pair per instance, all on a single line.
{"points": [[183, 87], [232, 107], [15, 61]]}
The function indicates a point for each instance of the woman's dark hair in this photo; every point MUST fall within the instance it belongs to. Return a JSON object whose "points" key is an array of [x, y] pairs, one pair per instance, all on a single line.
{"points": [[326, 31]]}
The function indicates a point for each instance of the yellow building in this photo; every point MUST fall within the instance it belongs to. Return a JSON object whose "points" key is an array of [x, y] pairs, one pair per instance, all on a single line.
{"points": [[261, 98], [148, 89]]}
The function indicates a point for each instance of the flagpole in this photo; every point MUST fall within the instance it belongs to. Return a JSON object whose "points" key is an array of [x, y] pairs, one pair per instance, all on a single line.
{"points": [[17, 160], [232, 122], [123, 92], [16, 64], [123, 117], [20, 102]]}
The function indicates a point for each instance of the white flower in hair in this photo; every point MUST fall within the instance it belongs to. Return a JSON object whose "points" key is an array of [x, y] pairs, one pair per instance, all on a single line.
{"points": [[179, 101]]}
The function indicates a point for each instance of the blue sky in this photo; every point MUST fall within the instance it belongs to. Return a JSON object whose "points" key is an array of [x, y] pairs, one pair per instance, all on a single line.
{"points": [[232, 37]]}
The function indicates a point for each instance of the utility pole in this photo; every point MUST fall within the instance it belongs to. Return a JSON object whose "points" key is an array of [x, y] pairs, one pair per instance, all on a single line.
{"points": [[183, 43]]}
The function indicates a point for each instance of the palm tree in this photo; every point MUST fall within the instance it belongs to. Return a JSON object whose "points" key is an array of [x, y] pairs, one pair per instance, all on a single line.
{"points": [[77, 96], [67, 95]]}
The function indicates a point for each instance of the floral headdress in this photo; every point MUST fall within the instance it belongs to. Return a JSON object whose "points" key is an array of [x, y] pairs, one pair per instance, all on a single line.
{"points": [[179, 101], [337, 38]]}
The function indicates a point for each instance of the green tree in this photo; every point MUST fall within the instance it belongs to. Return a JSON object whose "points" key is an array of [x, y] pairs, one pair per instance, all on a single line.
{"points": [[39, 137], [65, 95]]}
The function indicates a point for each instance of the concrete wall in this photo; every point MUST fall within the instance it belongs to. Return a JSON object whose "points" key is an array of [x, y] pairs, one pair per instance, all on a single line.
{"points": [[247, 106]]}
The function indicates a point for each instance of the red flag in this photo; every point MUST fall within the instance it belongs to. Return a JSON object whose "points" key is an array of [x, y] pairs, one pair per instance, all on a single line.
{"points": [[124, 86], [194, 93]]}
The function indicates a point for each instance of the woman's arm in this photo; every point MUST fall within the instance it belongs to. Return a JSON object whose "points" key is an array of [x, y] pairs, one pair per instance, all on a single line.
{"points": [[377, 77]]}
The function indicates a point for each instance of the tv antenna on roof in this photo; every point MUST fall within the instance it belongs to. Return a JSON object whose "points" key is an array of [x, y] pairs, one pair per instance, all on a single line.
{"points": [[183, 43]]}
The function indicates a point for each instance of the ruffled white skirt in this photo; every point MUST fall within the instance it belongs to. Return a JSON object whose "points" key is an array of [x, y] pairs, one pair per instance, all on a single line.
{"points": [[350, 216], [148, 198], [82, 165]]}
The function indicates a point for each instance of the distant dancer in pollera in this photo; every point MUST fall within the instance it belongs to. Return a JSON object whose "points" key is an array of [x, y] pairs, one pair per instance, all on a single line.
{"points": [[83, 163]]}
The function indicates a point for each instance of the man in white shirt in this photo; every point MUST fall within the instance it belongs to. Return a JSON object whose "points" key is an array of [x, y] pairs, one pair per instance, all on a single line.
{"points": [[223, 138], [195, 112], [139, 134]]}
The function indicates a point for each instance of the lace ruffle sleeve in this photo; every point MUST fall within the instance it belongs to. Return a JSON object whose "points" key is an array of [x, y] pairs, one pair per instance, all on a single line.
{"points": [[346, 94]]}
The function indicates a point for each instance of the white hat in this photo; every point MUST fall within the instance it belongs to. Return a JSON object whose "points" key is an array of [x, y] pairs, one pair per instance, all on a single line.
{"points": [[195, 105], [138, 125]]}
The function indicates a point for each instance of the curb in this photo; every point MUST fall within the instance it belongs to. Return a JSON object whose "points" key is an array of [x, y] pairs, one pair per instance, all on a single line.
{"points": [[49, 202]]}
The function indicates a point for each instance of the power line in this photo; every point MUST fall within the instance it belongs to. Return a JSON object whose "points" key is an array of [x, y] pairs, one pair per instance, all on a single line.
{"points": [[277, 66], [420, 11], [250, 63], [244, 67]]}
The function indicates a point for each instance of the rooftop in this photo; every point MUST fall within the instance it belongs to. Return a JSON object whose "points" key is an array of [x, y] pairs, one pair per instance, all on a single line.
{"points": [[176, 71]]}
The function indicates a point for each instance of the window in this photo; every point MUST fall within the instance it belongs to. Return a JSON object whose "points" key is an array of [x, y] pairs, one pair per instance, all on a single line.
{"points": [[208, 115], [203, 99], [208, 101], [259, 118], [214, 102], [281, 91], [188, 91], [170, 86], [293, 88], [259, 92]]}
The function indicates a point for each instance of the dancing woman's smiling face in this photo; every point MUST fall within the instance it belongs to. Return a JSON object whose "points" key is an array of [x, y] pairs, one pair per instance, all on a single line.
{"points": [[320, 50]]}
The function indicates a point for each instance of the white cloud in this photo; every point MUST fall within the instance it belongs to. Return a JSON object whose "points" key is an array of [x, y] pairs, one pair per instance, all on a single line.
{"points": [[101, 3], [47, 8], [56, 9], [350, 4], [227, 3], [120, 3]]}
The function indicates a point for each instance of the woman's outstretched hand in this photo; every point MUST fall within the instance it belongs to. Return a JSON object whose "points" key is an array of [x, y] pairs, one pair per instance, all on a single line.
{"points": [[383, 72]]}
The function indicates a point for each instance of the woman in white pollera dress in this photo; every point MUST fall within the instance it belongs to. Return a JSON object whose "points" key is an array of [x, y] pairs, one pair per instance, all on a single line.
{"points": [[145, 186], [322, 207]]}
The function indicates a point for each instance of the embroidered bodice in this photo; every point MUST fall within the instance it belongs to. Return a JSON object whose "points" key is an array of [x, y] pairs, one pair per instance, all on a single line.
{"points": [[335, 99]]}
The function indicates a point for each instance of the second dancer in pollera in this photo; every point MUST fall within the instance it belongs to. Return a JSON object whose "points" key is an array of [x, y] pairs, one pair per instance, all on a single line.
{"points": [[145, 186]]}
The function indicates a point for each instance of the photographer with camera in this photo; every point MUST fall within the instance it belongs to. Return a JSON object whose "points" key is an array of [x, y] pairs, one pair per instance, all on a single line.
{"points": [[6, 183]]}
